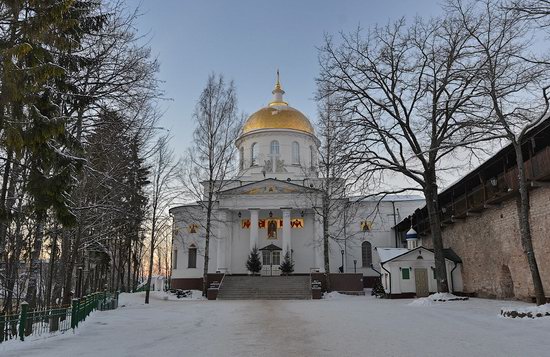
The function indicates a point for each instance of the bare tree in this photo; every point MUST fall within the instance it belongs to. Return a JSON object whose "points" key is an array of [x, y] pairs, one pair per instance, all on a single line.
{"points": [[330, 204], [537, 10], [164, 172], [210, 163], [407, 99], [515, 83]]}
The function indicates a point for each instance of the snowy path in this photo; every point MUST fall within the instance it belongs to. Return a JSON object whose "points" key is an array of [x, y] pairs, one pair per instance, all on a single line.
{"points": [[346, 326]]}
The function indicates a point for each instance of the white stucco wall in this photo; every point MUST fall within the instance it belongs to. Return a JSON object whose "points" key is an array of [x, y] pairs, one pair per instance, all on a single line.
{"points": [[285, 137], [400, 286], [381, 214], [236, 240]]}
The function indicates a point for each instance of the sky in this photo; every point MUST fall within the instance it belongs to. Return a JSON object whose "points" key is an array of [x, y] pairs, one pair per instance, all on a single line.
{"points": [[246, 41]]}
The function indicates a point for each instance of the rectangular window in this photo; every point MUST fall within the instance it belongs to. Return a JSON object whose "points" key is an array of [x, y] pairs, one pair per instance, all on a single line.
{"points": [[175, 259], [266, 258], [405, 274], [433, 270], [192, 263], [276, 258]]}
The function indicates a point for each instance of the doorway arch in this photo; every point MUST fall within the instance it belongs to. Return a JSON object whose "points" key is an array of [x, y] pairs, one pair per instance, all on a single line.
{"points": [[506, 283]]}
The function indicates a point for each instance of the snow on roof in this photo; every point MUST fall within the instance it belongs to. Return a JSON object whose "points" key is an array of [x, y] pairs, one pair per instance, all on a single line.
{"points": [[387, 198], [386, 254]]}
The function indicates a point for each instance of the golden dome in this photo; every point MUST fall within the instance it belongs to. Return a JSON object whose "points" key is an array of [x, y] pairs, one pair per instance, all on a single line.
{"points": [[278, 115]]}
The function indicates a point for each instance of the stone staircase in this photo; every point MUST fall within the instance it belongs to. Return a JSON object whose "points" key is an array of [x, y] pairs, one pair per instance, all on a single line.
{"points": [[265, 288]]}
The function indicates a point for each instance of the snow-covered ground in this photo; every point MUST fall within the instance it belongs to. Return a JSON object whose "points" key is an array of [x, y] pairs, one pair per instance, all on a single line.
{"points": [[336, 326]]}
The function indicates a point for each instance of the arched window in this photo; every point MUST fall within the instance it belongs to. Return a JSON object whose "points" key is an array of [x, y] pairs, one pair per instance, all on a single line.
{"points": [[192, 257], [312, 156], [295, 152], [254, 154], [241, 164], [274, 147], [366, 254]]}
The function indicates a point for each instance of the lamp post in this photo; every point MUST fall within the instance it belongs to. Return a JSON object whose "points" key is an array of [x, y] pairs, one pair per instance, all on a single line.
{"points": [[355, 265], [79, 283], [342, 251]]}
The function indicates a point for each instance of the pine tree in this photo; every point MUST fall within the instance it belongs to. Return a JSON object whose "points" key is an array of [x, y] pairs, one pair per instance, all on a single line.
{"points": [[287, 265], [378, 290], [253, 264]]}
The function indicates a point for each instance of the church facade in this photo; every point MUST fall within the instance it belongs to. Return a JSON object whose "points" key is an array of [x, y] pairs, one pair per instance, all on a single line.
{"points": [[273, 205]]}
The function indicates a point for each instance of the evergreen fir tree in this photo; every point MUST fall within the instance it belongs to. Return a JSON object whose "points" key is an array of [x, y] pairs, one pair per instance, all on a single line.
{"points": [[378, 290], [253, 264], [287, 266]]}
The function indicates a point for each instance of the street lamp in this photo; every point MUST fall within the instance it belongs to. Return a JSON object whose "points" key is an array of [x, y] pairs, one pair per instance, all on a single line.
{"points": [[342, 251], [79, 283]]}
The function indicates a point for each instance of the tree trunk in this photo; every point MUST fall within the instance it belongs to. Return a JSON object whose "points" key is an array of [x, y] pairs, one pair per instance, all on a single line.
{"points": [[71, 265], [326, 241], [432, 204], [207, 244], [34, 270], [129, 284], [525, 227], [51, 270], [4, 211], [151, 256]]}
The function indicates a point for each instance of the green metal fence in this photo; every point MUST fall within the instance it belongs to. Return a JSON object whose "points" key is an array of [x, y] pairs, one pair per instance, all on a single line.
{"points": [[57, 319]]}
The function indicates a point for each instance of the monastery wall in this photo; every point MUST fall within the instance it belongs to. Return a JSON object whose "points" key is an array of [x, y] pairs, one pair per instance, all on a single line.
{"points": [[494, 264]]}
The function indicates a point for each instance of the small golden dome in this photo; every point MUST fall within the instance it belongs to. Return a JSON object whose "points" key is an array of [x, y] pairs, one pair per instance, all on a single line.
{"points": [[278, 115]]}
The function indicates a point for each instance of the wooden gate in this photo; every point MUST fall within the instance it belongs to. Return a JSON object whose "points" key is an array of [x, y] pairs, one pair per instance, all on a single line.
{"points": [[421, 282]]}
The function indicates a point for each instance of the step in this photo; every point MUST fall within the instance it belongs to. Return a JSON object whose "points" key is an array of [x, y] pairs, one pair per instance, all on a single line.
{"points": [[265, 288]]}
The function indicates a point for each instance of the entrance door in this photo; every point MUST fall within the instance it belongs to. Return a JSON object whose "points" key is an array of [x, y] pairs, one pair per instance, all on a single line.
{"points": [[270, 263], [421, 282]]}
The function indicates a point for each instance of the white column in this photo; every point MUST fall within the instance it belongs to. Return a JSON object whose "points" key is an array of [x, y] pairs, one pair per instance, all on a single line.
{"points": [[287, 242], [318, 243], [221, 241], [253, 228]]}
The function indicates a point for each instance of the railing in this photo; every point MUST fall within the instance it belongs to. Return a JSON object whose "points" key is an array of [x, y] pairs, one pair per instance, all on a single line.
{"points": [[55, 319]]}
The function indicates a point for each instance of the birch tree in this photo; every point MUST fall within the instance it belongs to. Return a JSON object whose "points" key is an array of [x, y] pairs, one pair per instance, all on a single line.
{"points": [[210, 162], [164, 171], [332, 209]]}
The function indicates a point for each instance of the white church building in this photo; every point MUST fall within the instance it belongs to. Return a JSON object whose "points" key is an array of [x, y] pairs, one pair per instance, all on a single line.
{"points": [[272, 203]]}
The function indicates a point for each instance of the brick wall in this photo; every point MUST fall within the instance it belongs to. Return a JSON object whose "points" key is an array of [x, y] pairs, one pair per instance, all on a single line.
{"points": [[347, 282], [489, 245]]}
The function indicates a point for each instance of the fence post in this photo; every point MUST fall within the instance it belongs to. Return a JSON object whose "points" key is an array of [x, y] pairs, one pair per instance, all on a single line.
{"points": [[77, 314], [23, 320], [84, 308]]}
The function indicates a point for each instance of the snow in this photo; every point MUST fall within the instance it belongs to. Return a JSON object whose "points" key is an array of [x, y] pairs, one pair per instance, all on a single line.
{"points": [[386, 254], [334, 295], [531, 308], [436, 298], [336, 326], [195, 295]]}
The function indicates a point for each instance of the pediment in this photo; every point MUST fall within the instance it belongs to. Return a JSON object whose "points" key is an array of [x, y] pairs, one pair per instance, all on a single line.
{"points": [[267, 187]]}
